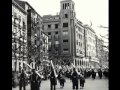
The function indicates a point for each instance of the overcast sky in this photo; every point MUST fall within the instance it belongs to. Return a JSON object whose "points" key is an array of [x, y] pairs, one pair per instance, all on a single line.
{"points": [[95, 11]]}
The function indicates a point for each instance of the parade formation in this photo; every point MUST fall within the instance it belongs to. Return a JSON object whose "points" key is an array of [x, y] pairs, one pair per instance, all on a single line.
{"points": [[73, 75], [56, 52]]}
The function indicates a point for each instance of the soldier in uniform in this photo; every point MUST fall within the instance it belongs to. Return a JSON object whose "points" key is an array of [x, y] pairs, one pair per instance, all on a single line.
{"points": [[53, 80], [61, 78], [75, 79], [22, 82], [82, 81], [38, 83], [100, 73], [33, 80], [93, 74]]}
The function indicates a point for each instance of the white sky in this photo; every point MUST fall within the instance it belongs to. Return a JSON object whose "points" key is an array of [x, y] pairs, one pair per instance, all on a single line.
{"points": [[86, 11]]}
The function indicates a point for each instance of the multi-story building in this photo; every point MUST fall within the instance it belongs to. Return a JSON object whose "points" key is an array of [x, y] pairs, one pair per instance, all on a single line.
{"points": [[51, 26], [35, 37], [99, 49], [91, 46], [66, 36], [19, 36]]}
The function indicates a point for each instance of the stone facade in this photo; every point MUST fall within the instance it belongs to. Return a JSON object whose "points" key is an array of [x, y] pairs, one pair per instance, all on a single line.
{"points": [[19, 36], [66, 36]]}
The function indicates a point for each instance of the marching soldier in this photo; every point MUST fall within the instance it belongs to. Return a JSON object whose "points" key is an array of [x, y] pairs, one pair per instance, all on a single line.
{"points": [[100, 73], [75, 79], [33, 80], [38, 83], [61, 78], [53, 80], [93, 74], [82, 81], [22, 82]]}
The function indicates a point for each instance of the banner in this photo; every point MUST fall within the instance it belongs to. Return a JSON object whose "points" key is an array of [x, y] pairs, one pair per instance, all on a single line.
{"points": [[53, 68], [37, 72], [75, 69]]}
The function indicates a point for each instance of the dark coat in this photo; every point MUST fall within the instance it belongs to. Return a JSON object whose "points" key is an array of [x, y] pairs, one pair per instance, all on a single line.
{"points": [[34, 82], [61, 77], [53, 79], [82, 79], [22, 79], [75, 77]]}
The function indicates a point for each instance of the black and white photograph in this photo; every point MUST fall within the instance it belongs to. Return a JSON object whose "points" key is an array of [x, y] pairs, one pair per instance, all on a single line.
{"points": [[60, 45]]}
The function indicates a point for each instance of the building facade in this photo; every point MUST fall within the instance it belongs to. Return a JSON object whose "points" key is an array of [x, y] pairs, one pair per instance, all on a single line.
{"points": [[19, 36], [35, 36], [91, 46], [66, 36], [99, 49]]}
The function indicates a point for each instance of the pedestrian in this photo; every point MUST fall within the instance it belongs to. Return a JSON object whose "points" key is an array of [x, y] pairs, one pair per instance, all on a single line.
{"points": [[82, 81], [85, 73], [75, 79], [22, 81], [53, 80], [93, 74], [39, 79], [100, 73], [33, 80], [61, 78]]}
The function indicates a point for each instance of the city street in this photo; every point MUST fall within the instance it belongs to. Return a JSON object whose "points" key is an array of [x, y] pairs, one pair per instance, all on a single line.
{"points": [[97, 84]]}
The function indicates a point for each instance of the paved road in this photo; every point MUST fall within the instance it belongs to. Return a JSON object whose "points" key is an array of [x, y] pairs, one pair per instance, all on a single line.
{"points": [[97, 84]]}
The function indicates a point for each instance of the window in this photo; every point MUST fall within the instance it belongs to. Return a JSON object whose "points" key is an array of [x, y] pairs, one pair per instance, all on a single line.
{"points": [[24, 26], [56, 42], [49, 26], [66, 15], [77, 42], [56, 26], [56, 32], [49, 33], [75, 62], [65, 49], [65, 40], [63, 6], [68, 6], [65, 24], [65, 32]]}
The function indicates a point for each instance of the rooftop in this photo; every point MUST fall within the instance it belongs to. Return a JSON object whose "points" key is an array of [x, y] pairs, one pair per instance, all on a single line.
{"points": [[51, 17]]}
